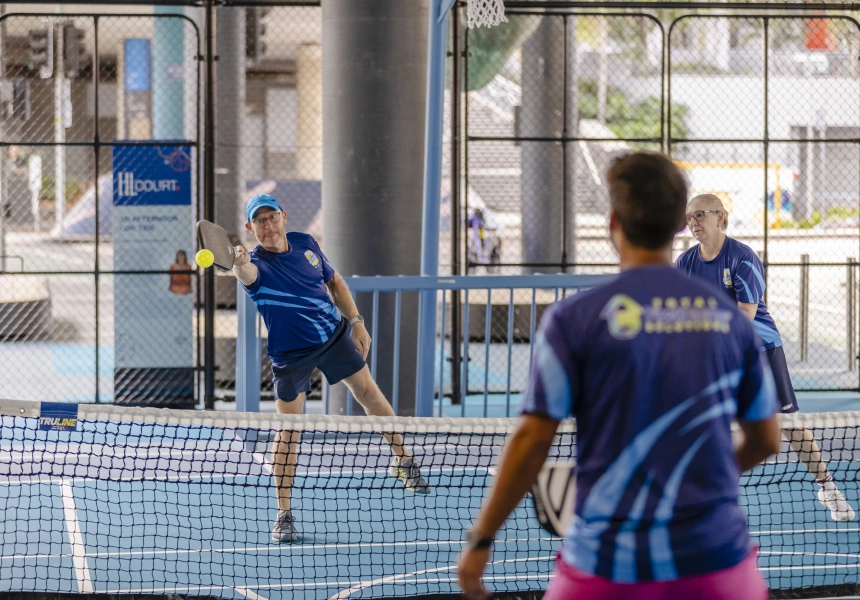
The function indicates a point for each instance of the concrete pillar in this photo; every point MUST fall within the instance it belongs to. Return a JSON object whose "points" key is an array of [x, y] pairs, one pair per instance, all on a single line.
{"points": [[229, 116], [374, 96], [542, 115], [310, 130], [168, 101]]}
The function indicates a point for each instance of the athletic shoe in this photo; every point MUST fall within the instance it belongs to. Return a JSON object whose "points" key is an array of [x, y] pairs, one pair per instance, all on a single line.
{"points": [[408, 472], [285, 527], [833, 500]]}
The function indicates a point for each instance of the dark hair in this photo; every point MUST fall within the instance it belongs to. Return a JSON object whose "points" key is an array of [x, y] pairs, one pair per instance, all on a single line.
{"points": [[649, 196]]}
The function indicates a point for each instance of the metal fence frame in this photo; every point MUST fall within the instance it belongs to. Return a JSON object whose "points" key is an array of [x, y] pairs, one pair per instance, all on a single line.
{"points": [[462, 139], [564, 139], [97, 144], [248, 359], [765, 141]]}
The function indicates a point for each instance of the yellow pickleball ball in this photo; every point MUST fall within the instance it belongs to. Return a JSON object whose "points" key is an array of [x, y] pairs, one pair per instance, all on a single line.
{"points": [[205, 258]]}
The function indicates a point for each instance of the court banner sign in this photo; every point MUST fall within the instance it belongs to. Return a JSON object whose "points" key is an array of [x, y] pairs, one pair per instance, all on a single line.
{"points": [[153, 229]]}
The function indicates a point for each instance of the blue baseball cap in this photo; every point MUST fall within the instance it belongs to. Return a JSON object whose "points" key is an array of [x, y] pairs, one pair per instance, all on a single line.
{"points": [[259, 201]]}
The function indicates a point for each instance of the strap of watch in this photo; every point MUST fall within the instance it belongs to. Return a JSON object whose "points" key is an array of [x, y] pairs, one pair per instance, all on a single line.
{"points": [[476, 542], [356, 319]]}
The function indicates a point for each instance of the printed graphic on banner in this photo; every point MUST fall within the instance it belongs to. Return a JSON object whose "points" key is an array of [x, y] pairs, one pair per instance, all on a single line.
{"points": [[58, 416], [153, 231]]}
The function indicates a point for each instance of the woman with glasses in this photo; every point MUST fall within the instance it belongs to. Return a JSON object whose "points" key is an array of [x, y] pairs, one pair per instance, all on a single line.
{"points": [[736, 269]]}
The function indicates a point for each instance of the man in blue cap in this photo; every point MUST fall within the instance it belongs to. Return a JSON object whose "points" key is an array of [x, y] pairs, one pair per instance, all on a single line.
{"points": [[313, 323]]}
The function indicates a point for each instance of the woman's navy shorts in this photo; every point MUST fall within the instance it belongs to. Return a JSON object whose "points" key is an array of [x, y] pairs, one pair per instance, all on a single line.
{"points": [[784, 389]]}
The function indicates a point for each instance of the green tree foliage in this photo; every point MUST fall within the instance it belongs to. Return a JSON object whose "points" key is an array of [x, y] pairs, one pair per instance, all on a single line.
{"points": [[490, 49], [628, 118]]}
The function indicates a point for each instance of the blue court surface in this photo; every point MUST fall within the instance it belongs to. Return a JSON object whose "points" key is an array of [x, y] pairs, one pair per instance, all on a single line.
{"points": [[188, 510], [162, 510]]}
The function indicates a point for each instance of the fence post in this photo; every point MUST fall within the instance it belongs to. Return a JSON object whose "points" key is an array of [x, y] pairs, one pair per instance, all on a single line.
{"points": [[850, 313], [804, 306], [437, 41], [248, 352]]}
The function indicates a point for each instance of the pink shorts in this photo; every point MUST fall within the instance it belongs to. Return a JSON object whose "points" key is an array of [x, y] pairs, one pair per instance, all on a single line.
{"points": [[740, 582]]}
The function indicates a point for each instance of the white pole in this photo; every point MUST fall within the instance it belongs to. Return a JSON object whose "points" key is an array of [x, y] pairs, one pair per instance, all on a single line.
{"points": [[59, 131]]}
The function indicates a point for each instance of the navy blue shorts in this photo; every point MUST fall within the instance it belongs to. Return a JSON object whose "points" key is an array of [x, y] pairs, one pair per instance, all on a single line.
{"points": [[784, 389], [337, 359]]}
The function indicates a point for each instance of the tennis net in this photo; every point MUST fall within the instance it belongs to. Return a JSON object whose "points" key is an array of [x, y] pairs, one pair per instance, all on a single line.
{"points": [[181, 503]]}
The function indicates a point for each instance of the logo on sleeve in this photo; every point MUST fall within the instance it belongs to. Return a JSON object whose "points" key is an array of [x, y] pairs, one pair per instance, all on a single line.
{"points": [[727, 278], [312, 258]]}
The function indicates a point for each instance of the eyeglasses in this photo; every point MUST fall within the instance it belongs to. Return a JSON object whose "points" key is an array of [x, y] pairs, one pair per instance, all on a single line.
{"points": [[273, 219], [699, 215]]}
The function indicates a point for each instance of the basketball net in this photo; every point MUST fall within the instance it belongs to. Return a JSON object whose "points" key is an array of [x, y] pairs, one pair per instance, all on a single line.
{"points": [[486, 13]]}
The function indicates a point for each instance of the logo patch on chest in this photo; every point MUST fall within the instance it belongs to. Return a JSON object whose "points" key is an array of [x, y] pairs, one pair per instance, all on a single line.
{"points": [[727, 278], [312, 258]]}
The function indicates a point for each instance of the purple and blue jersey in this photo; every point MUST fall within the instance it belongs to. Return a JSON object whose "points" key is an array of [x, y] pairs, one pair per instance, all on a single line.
{"points": [[655, 366], [291, 294], [740, 274]]}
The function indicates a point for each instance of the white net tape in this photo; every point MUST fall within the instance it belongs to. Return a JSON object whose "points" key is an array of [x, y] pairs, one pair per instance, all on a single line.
{"points": [[486, 13]]}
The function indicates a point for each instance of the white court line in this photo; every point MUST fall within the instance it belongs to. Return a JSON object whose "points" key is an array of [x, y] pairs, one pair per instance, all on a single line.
{"points": [[788, 553], [76, 540], [538, 577], [392, 578], [33, 479], [303, 585], [273, 549], [249, 593], [258, 459], [337, 449], [809, 567], [786, 531], [31, 455], [261, 458], [33, 556]]}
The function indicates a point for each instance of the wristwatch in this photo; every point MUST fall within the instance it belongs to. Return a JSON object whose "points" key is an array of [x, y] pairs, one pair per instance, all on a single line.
{"points": [[476, 542], [358, 319]]}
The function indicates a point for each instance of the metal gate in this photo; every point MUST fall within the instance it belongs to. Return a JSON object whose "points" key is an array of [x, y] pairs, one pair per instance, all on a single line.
{"points": [[78, 92]]}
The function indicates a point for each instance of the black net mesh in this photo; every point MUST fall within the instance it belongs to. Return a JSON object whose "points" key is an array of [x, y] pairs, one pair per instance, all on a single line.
{"points": [[163, 502]]}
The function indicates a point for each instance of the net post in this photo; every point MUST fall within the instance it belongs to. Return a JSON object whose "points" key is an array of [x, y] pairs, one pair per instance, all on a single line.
{"points": [[488, 321], [395, 386], [804, 306], [442, 353], [851, 314], [247, 354], [511, 316]]}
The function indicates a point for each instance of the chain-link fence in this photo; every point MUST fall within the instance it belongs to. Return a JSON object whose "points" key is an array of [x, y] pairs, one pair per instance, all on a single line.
{"points": [[97, 295], [774, 120], [762, 111], [274, 134]]}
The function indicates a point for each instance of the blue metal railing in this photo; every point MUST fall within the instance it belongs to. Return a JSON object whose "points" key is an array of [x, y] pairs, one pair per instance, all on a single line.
{"points": [[430, 351]]}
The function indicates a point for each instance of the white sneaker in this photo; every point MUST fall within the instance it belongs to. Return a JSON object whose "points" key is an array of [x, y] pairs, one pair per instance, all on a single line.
{"points": [[834, 501]]}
